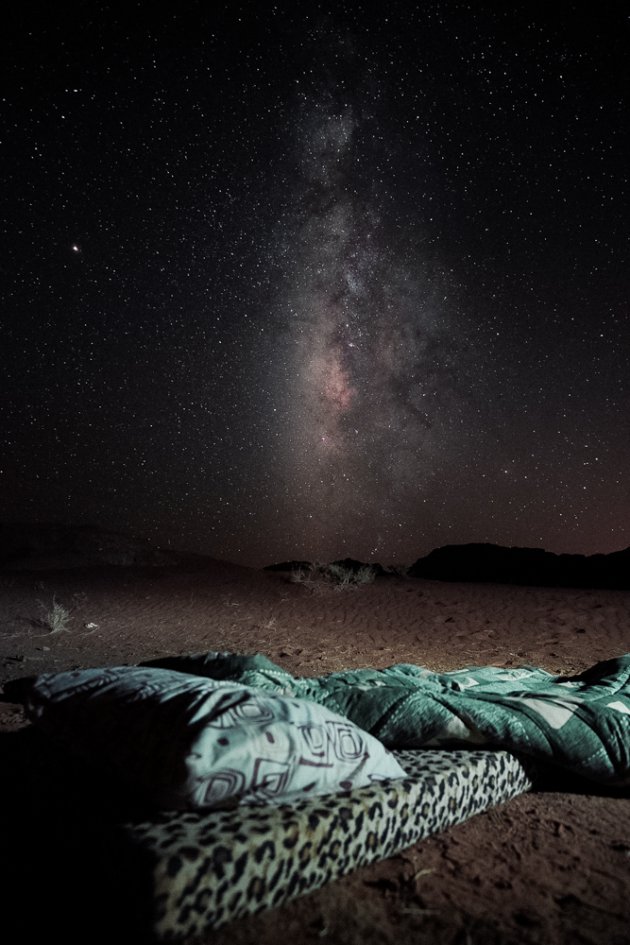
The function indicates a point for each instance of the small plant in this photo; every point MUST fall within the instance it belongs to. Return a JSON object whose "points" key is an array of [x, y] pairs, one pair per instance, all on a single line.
{"points": [[336, 577], [364, 575], [341, 578], [398, 570], [56, 619]]}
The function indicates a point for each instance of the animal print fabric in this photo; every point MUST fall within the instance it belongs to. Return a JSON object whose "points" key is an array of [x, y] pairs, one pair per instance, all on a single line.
{"points": [[208, 869]]}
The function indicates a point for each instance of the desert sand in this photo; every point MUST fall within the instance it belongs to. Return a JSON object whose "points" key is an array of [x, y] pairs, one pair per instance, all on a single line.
{"points": [[548, 867]]}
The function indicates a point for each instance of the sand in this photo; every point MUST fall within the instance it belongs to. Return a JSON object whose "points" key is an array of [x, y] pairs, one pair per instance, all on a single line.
{"points": [[551, 866]]}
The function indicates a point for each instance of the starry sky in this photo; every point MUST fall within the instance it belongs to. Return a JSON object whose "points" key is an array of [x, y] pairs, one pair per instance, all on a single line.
{"points": [[307, 280]]}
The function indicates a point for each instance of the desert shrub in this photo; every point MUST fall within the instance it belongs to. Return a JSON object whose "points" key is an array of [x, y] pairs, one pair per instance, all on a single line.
{"points": [[336, 577], [364, 575], [57, 618], [398, 570]]}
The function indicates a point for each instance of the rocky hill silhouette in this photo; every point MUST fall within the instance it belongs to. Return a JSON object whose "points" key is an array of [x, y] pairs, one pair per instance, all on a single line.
{"points": [[531, 566], [33, 546]]}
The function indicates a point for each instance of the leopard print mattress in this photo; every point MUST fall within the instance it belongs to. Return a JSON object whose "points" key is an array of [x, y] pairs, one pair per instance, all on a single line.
{"points": [[208, 869]]}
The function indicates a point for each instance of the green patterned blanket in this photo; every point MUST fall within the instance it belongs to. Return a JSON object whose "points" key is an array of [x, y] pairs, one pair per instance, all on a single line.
{"points": [[580, 723]]}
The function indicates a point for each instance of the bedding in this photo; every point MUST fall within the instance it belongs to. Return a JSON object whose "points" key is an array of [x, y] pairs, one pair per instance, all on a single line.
{"points": [[464, 741], [206, 869], [188, 742], [580, 723]]}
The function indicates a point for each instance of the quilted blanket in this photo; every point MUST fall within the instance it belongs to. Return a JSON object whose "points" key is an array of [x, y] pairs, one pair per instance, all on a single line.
{"points": [[580, 723]]}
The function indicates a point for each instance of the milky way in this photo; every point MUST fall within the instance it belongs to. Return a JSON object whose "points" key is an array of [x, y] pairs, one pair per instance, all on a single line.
{"points": [[373, 346]]}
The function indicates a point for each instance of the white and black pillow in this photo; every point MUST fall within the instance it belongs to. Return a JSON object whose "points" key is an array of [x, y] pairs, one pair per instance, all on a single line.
{"points": [[188, 742]]}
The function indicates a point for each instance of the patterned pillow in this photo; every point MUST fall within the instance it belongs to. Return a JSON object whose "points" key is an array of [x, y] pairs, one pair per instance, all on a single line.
{"points": [[187, 742]]}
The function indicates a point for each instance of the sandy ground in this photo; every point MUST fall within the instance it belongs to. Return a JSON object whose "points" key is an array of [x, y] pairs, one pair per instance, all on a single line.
{"points": [[549, 867]]}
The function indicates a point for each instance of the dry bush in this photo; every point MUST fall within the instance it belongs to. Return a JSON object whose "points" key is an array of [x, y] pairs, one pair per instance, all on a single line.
{"points": [[335, 577], [55, 619]]}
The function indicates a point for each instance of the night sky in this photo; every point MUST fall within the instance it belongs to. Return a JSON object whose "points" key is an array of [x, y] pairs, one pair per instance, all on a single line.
{"points": [[306, 280]]}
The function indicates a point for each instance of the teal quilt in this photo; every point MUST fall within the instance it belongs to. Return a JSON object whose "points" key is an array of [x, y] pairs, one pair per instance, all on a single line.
{"points": [[580, 723]]}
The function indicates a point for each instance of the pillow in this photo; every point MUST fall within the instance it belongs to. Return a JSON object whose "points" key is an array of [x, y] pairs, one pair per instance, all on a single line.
{"points": [[187, 742]]}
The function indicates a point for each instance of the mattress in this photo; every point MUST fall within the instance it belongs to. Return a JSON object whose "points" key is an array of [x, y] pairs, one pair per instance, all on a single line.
{"points": [[206, 869]]}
